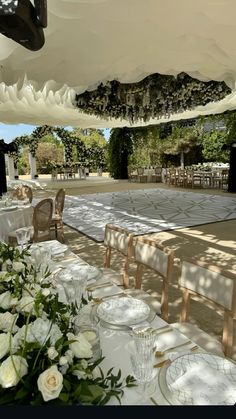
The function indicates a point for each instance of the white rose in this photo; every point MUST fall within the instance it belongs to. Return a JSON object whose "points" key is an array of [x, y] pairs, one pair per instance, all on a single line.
{"points": [[52, 352], [18, 266], [4, 344], [81, 348], [7, 320], [12, 370], [5, 300], [50, 383]]}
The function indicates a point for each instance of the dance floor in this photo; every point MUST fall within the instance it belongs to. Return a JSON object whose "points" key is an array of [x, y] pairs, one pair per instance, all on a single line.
{"points": [[145, 210]]}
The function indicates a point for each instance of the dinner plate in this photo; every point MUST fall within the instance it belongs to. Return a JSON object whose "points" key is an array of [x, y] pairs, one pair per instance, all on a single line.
{"points": [[170, 377], [123, 311]]}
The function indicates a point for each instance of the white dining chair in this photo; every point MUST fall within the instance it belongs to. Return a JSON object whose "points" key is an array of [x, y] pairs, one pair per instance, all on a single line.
{"points": [[216, 289], [151, 254], [117, 239]]}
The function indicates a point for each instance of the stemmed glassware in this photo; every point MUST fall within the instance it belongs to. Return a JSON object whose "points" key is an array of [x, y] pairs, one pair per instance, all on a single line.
{"points": [[23, 236]]}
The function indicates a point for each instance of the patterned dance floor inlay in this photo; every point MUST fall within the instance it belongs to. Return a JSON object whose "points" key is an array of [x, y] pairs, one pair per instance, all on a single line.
{"points": [[145, 210]]}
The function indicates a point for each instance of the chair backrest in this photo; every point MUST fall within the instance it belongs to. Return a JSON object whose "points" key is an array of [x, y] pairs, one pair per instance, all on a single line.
{"points": [[59, 201], [158, 170], [23, 192], [119, 239], [42, 217], [150, 253], [140, 170], [216, 288]]}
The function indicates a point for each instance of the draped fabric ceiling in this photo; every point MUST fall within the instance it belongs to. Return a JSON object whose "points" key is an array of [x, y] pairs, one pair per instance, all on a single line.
{"points": [[88, 42]]}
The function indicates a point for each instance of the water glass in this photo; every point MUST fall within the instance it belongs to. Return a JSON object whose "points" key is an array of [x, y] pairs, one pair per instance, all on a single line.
{"points": [[21, 236], [144, 341], [142, 366]]}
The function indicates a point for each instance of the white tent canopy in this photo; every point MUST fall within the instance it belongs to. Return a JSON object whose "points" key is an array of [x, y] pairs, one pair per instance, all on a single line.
{"points": [[92, 41]]}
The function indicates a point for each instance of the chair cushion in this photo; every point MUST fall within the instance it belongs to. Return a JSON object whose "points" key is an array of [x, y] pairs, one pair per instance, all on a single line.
{"points": [[201, 338]]}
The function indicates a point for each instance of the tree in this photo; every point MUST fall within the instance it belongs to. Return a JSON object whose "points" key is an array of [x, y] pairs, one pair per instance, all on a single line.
{"points": [[48, 153], [181, 141], [119, 149]]}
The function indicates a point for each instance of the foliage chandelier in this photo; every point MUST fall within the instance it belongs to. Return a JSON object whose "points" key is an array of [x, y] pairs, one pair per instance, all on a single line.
{"points": [[156, 96]]}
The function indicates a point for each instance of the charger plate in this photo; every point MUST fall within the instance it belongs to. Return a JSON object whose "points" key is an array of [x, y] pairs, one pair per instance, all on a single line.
{"points": [[125, 320], [182, 396]]}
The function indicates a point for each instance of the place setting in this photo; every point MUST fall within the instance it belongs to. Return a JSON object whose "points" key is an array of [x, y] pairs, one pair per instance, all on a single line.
{"points": [[198, 379]]}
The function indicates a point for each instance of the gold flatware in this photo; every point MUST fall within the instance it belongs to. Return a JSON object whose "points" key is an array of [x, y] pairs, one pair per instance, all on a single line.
{"points": [[94, 287], [162, 353], [162, 363], [100, 300]]}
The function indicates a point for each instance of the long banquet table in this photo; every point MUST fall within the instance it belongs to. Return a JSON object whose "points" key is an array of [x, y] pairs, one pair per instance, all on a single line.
{"points": [[14, 217], [115, 344]]}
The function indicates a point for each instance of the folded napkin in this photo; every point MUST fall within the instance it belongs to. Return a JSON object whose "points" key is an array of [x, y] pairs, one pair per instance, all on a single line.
{"points": [[204, 385], [169, 339]]}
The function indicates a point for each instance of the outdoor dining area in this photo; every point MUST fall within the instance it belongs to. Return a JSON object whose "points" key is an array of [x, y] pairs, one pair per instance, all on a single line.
{"points": [[119, 290], [111, 323], [201, 176]]}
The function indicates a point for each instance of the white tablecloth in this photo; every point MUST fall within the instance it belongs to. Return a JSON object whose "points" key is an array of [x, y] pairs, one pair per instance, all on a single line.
{"points": [[116, 344], [11, 220]]}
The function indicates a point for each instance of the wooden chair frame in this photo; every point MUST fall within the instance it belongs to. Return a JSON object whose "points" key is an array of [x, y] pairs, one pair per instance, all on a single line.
{"points": [[229, 314], [57, 222], [35, 222], [165, 277], [126, 252]]}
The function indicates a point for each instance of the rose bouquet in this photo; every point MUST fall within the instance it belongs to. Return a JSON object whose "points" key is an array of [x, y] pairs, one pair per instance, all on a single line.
{"points": [[42, 360]]}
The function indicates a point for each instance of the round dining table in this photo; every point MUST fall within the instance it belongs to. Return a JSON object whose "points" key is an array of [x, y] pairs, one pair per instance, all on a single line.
{"points": [[14, 217]]}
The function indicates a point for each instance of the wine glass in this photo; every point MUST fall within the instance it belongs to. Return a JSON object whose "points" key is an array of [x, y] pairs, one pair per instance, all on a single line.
{"points": [[22, 237]]}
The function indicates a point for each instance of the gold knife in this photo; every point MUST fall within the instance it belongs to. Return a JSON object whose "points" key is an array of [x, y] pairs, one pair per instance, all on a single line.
{"points": [[92, 288]]}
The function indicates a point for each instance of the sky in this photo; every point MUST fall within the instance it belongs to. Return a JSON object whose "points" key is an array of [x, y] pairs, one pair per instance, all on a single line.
{"points": [[9, 132]]}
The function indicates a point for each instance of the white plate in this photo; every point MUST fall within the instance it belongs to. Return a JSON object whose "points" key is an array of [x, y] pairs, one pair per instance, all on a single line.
{"points": [[123, 311], [183, 395]]}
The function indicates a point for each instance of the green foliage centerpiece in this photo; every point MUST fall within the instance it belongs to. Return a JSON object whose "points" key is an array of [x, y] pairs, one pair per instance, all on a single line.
{"points": [[42, 361]]}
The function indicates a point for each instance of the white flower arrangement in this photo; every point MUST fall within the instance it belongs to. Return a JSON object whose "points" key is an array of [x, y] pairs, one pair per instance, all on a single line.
{"points": [[42, 360]]}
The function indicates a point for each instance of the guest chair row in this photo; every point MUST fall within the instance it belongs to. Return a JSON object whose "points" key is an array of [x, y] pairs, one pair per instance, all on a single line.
{"points": [[215, 288]]}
